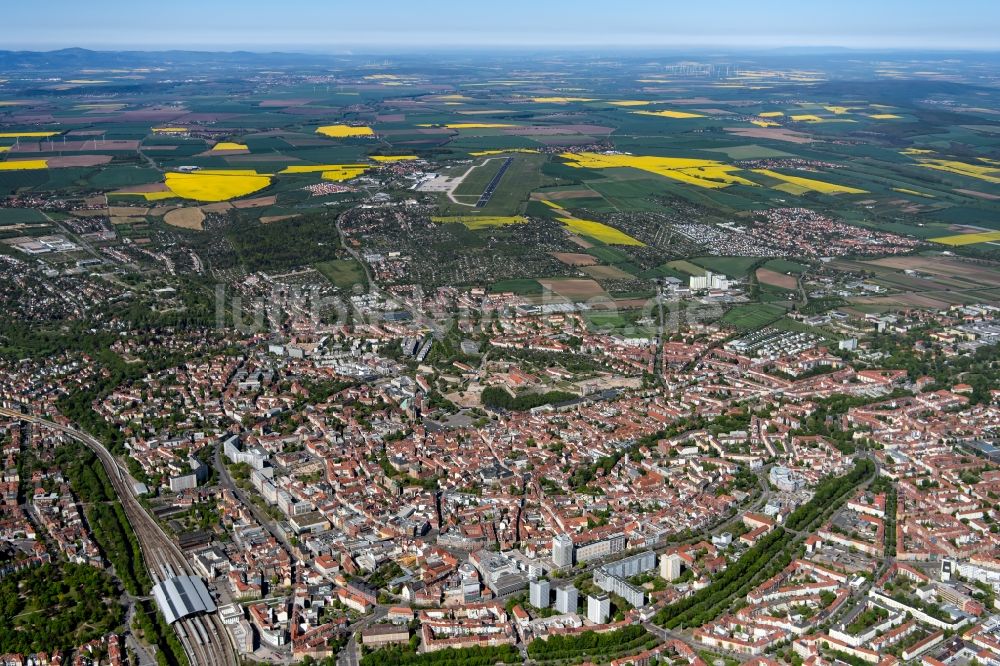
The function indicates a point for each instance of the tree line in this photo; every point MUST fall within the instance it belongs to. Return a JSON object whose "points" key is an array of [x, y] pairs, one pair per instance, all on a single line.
{"points": [[765, 559], [498, 398], [591, 645]]}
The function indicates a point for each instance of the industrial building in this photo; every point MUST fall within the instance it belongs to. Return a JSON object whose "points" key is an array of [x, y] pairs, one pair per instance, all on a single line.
{"points": [[709, 280]]}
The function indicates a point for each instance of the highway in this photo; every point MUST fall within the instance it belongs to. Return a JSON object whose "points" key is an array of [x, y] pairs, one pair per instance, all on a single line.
{"points": [[205, 640]]}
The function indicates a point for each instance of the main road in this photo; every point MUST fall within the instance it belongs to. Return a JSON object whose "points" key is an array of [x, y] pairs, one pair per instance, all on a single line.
{"points": [[205, 640]]}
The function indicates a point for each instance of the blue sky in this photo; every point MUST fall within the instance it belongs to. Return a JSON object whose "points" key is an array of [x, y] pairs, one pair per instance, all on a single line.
{"points": [[399, 25]]}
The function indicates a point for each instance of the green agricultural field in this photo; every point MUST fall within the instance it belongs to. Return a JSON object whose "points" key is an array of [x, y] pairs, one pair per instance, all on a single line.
{"points": [[684, 266], [522, 286], [731, 266], [785, 266], [344, 273], [749, 152], [754, 316], [608, 254], [665, 271], [21, 216], [115, 177], [621, 322]]}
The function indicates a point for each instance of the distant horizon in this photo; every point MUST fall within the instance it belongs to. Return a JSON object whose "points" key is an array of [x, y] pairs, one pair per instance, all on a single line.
{"points": [[403, 26], [637, 49]]}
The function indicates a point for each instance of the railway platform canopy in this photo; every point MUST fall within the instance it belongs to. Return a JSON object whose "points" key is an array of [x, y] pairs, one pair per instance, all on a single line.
{"points": [[182, 596]]}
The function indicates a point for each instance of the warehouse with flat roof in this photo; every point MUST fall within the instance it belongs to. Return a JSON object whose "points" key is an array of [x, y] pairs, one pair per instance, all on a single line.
{"points": [[182, 596]]}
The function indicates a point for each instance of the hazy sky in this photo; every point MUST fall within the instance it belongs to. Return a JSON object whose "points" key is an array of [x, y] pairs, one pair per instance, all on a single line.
{"points": [[372, 25]]}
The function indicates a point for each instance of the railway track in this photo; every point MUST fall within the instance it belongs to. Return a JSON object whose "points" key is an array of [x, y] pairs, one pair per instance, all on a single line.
{"points": [[204, 638]]}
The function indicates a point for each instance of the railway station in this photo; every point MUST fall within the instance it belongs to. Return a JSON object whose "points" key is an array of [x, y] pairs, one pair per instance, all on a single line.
{"points": [[182, 596]]}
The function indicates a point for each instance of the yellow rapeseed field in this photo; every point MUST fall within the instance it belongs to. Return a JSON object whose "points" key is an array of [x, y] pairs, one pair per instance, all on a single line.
{"points": [[481, 221], [599, 231], [837, 110], [24, 165], [969, 239], [216, 185], [344, 131], [335, 172], [991, 174], [482, 153], [807, 118], [314, 168], [917, 151], [394, 158], [4, 149], [764, 123], [169, 130], [148, 196], [477, 125], [799, 185], [552, 204], [561, 100], [703, 173], [669, 114], [156, 196], [915, 193], [771, 114], [338, 175], [110, 106], [226, 145], [25, 135], [630, 102], [885, 116]]}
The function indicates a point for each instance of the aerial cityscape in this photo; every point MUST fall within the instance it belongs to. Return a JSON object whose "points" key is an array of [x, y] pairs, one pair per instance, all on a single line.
{"points": [[419, 335]]}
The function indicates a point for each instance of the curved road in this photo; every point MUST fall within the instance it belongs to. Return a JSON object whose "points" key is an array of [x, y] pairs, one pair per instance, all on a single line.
{"points": [[205, 640]]}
